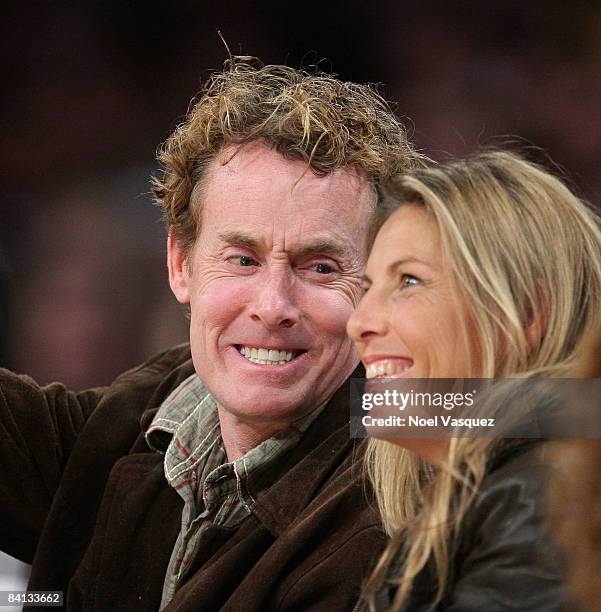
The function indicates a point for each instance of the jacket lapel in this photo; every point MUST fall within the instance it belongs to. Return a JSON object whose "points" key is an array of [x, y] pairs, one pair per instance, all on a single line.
{"points": [[309, 465]]}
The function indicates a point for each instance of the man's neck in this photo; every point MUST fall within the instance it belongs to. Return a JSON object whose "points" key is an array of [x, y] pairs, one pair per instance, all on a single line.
{"points": [[240, 436]]}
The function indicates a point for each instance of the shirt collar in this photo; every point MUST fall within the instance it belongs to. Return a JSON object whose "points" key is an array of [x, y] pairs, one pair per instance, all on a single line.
{"points": [[285, 489], [186, 429], [181, 406]]}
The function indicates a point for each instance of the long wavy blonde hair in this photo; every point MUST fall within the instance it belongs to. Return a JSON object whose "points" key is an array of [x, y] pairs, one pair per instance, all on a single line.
{"points": [[525, 254]]}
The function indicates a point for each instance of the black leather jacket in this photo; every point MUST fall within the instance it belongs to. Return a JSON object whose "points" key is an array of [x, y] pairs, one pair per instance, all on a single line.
{"points": [[504, 558]]}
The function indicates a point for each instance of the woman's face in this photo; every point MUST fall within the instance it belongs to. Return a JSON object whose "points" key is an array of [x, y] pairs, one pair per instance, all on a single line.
{"points": [[409, 324]]}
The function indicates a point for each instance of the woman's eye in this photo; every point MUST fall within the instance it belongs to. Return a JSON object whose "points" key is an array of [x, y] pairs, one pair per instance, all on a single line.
{"points": [[323, 268], [407, 280]]}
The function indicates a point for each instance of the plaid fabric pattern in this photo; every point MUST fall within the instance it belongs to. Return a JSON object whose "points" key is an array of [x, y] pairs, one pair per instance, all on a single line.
{"points": [[215, 492]]}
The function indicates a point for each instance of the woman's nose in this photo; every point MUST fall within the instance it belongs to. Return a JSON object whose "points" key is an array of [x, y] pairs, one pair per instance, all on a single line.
{"points": [[367, 321]]}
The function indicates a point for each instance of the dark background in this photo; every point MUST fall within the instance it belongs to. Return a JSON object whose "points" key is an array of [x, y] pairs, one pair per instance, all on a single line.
{"points": [[91, 88]]}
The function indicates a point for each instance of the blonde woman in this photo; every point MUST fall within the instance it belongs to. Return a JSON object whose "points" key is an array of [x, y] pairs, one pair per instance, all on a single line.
{"points": [[487, 267]]}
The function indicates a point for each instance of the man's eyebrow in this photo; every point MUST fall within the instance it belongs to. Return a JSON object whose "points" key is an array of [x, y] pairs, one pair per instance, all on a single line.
{"points": [[319, 247], [238, 239]]}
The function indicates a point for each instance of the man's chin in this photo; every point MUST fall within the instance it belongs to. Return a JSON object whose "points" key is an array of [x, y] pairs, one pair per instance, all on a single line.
{"points": [[262, 408]]}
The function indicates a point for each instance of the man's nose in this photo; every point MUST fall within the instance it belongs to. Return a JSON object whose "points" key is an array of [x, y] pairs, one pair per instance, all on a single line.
{"points": [[367, 321], [274, 304]]}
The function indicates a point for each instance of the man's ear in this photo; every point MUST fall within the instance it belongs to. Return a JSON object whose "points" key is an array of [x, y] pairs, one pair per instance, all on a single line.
{"points": [[179, 275]]}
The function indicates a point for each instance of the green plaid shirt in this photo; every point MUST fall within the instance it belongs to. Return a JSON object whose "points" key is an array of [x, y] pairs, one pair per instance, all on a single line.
{"points": [[186, 429]]}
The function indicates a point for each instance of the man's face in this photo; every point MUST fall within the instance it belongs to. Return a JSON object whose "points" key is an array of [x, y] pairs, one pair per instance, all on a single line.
{"points": [[276, 267]]}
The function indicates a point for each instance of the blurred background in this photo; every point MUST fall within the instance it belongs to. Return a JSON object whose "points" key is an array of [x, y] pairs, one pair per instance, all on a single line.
{"points": [[92, 87]]}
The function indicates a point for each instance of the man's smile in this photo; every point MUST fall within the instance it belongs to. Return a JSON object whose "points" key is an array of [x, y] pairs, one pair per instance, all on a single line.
{"points": [[268, 356], [260, 356]]}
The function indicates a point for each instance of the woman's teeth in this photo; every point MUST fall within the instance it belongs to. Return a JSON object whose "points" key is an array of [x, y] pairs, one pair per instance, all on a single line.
{"points": [[265, 356], [386, 367]]}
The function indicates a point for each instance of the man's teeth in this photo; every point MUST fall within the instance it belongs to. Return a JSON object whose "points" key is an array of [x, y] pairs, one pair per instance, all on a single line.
{"points": [[386, 367], [266, 356]]}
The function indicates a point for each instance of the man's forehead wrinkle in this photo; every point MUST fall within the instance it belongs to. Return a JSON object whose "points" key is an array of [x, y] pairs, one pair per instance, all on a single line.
{"points": [[320, 230], [242, 158]]}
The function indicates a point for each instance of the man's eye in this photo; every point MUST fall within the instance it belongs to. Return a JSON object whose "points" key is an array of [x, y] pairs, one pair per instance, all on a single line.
{"points": [[322, 268], [407, 280], [244, 260]]}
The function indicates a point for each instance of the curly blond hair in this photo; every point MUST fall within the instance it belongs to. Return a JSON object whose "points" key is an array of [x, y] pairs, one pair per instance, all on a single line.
{"points": [[316, 118]]}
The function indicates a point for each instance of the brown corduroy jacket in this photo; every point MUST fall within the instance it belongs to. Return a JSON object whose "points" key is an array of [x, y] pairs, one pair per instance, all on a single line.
{"points": [[84, 499]]}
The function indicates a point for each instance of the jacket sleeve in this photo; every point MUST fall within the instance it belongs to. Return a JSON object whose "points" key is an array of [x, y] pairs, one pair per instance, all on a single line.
{"points": [[508, 561], [38, 427]]}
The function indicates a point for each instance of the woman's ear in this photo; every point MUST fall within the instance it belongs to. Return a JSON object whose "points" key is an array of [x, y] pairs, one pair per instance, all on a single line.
{"points": [[179, 271], [538, 319]]}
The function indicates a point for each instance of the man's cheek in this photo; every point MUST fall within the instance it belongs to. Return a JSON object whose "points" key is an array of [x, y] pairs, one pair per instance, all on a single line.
{"points": [[219, 302], [330, 317], [339, 310]]}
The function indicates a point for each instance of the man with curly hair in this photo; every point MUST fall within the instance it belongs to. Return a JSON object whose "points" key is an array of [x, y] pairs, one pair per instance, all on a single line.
{"points": [[220, 475]]}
